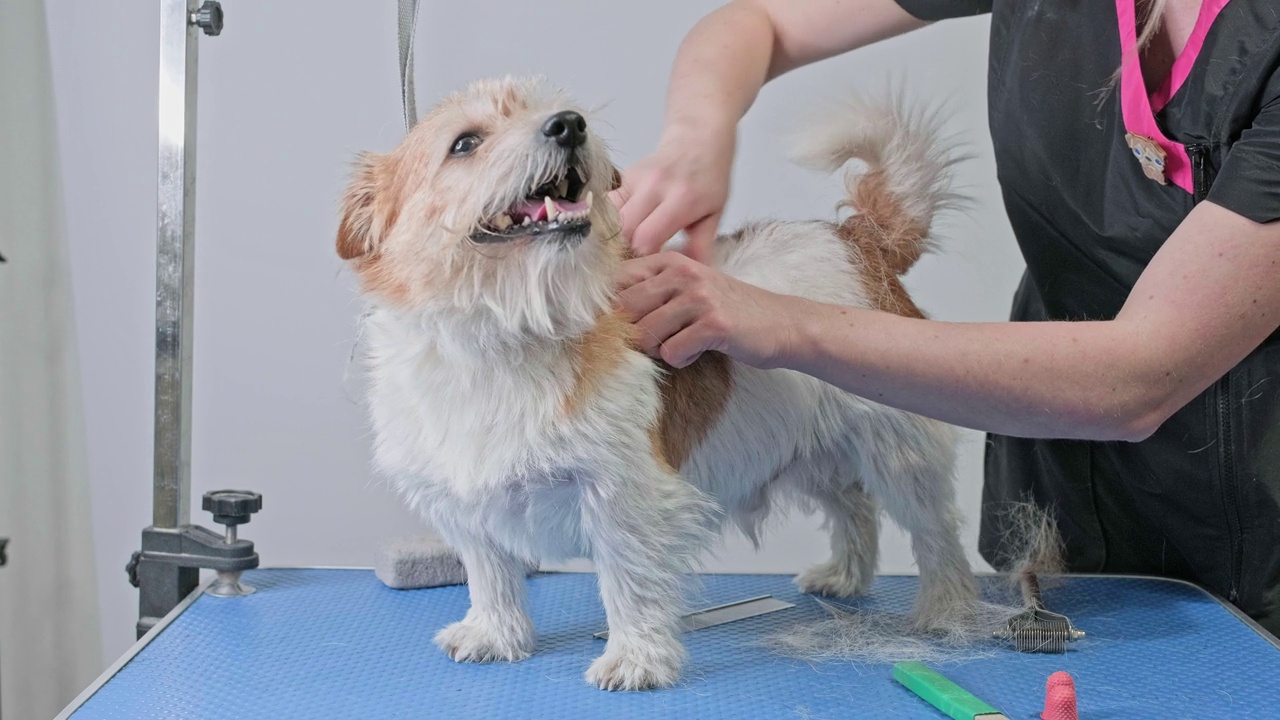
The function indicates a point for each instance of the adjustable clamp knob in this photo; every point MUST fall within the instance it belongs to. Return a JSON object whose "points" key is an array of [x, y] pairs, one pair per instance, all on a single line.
{"points": [[232, 507], [208, 18]]}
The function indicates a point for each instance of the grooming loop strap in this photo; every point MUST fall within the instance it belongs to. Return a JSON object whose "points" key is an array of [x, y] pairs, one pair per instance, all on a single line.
{"points": [[408, 22]]}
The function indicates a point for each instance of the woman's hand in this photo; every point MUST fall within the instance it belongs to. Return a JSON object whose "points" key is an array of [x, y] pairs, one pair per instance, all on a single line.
{"points": [[720, 67], [681, 186], [684, 308]]}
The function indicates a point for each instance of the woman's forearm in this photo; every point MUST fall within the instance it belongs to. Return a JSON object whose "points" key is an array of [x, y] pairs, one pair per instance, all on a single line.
{"points": [[1206, 300], [720, 67], [731, 53], [1067, 380]]}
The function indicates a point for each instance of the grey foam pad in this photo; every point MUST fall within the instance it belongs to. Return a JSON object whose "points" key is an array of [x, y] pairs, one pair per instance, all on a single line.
{"points": [[418, 562]]}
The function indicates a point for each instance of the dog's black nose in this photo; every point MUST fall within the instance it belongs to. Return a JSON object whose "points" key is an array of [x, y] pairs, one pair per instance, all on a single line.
{"points": [[567, 128]]}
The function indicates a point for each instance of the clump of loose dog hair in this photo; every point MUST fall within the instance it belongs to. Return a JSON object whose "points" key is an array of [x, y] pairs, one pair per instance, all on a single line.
{"points": [[1031, 547], [878, 637]]}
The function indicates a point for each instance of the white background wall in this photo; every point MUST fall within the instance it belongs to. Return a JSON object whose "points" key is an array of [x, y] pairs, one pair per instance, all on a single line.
{"points": [[288, 94]]}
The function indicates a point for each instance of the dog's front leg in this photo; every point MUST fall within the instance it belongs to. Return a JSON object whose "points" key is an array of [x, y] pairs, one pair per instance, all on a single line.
{"points": [[496, 627], [645, 527]]}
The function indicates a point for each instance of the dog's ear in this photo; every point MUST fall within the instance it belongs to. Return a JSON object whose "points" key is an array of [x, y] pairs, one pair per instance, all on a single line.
{"points": [[364, 219], [616, 181]]}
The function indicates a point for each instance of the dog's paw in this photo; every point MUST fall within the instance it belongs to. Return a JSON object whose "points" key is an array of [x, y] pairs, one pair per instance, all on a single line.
{"points": [[635, 668], [833, 579], [948, 607], [959, 621], [472, 641]]}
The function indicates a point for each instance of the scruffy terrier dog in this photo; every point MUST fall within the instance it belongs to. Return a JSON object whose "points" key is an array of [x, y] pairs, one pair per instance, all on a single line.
{"points": [[512, 411]]}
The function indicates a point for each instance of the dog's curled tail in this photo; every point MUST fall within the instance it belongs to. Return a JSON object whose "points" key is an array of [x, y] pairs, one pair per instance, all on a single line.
{"points": [[907, 179]]}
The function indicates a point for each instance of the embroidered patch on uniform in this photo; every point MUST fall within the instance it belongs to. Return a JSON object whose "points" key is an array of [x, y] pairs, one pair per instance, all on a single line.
{"points": [[1149, 154]]}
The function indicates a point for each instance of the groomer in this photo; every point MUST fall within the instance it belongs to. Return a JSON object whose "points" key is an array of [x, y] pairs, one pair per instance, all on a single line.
{"points": [[1137, 392]]}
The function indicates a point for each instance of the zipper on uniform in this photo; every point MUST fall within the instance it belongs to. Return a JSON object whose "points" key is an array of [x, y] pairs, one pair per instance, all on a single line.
{"points": [[1230, 495], [1201, 180]]}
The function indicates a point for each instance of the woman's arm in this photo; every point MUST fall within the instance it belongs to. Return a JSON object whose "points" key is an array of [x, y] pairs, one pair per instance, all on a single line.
{"points": [[720, 67], [730, 54], [1207, 299]]}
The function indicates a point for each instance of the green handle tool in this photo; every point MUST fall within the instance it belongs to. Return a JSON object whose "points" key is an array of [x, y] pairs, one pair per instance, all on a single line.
{"points": [[938, 691]]}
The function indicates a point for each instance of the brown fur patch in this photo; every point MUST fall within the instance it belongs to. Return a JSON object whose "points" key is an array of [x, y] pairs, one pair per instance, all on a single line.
{"points": [[379, 277], [659, 452], [884, 243], [876, 271], [693, 397], [351, 242], [599, 351], [360, 221], [899, 236]]}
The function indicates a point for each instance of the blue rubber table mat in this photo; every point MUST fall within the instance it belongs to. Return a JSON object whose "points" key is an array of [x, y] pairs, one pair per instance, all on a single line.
{"points": [[313, 644]]}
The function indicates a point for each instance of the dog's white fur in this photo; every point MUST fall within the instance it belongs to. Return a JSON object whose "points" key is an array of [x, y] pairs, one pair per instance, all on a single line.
{"points": [[473, 351]]}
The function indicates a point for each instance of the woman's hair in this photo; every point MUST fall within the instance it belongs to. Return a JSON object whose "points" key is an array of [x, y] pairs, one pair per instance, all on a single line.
{"points": [[1151, 15], [1151, 20]]}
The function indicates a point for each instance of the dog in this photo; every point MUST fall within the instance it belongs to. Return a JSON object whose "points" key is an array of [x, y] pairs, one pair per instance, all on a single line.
{"points": [[510, 407]]}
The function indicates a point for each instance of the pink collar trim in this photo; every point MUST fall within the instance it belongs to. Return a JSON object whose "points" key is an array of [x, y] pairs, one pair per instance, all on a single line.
{"points": [[1138, 107]]}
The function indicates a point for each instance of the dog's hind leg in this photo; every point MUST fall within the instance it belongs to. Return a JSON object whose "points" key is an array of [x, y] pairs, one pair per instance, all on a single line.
{"points": [[908, 464], [854, 523], [497, 626], [646, 526]]}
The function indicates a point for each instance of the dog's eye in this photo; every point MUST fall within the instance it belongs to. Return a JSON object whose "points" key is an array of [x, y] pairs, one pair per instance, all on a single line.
{"points": [[465, 144]]}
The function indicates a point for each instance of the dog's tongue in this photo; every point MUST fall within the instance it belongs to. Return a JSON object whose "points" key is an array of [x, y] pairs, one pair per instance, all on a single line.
{"points": [[537, 209]]}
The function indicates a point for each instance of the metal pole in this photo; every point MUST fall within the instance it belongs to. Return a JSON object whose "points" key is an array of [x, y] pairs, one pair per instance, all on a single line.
{"points": [[167, 568], [175, 251]]}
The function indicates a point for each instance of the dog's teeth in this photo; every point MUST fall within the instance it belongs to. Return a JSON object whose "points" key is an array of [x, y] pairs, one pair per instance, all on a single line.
{"points": [[563, 188], [551, 208], [503, 222], [527, 220], [588, 200]]}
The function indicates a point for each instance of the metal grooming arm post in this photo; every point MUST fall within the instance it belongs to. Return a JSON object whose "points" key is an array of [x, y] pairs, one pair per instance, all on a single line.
{"points": [[167, 567]]}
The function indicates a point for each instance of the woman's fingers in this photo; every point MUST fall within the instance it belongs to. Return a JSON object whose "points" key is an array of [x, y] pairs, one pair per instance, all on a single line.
{"points": [[685, 347], [702, 239], [683, 308], [665, 321], [670, 216], [639, 203]]}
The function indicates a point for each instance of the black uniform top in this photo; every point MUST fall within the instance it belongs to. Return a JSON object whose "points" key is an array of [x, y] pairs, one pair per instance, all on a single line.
{"points": [[1199, 500]]}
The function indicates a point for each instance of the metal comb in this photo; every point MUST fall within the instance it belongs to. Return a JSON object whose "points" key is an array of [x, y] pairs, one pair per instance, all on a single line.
{"points": [[1036, 630]]}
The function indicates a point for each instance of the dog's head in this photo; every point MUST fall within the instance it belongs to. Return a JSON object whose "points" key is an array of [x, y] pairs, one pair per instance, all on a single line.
{"points": [[492, 211]]}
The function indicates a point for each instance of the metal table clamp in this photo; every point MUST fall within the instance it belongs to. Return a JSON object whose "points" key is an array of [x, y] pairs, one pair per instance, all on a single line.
{"points": [[167, 568]]}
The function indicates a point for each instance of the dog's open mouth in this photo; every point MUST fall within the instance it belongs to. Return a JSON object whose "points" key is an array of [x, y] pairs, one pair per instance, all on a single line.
{"points": [[555, 206]]}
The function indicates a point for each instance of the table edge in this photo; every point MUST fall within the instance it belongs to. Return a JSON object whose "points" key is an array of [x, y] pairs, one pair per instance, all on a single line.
{"points": [[188, 601]]}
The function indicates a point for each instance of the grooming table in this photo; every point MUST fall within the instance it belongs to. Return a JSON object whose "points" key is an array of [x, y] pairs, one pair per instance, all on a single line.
{"points": [[331, 643]]}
